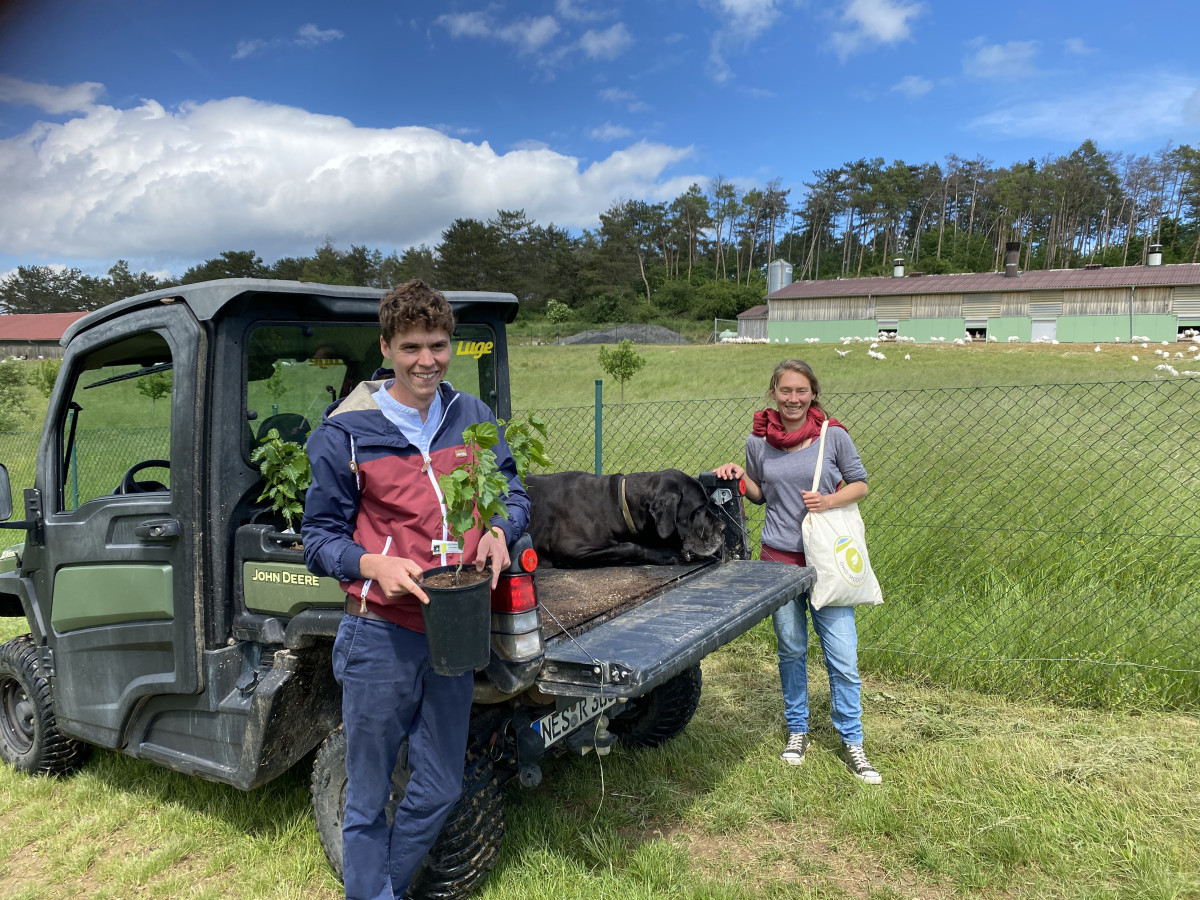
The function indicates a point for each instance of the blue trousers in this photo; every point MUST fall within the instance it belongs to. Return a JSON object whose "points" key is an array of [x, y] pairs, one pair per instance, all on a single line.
{"points": [[839, 644], [389, 693]]}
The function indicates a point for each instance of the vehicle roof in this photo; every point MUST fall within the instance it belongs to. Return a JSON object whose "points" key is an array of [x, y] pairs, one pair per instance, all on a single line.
{"points": [[206, 299]]}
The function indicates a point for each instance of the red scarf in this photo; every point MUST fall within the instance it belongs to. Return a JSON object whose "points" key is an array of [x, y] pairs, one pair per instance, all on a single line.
{"points": [[767, 424]]}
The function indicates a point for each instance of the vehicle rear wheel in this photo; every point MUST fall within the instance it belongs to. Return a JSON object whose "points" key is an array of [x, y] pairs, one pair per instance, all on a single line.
{"points": [[29, 738], [469, 843], [656, 717]]}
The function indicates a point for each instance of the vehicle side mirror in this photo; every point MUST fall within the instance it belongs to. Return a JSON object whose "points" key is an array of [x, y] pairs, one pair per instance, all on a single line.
{"points": [[5, 495]]}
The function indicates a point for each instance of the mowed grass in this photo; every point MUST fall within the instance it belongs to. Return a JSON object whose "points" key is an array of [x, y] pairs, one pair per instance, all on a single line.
{"points": [[982, 797], [553, 376]]}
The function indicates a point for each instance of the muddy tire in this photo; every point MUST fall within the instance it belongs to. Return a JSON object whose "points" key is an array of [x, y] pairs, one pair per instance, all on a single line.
{"points": [[465, 850], [29, 738], [656, 717]]}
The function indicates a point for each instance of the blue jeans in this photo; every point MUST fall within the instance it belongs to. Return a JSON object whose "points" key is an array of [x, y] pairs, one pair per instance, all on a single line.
{"points": [[389, 693], [839, 644]]}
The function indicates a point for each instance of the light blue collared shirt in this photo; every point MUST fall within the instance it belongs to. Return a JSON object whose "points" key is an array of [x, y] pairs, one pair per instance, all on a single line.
{"points": [[408, 420]]}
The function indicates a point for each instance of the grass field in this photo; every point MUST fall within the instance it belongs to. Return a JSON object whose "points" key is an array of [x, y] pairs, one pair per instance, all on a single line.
{"points": [[982, 797], [1030, 539]]}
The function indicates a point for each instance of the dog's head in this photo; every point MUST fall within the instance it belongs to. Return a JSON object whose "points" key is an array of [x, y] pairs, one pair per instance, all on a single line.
{"points": [[681, 510]]}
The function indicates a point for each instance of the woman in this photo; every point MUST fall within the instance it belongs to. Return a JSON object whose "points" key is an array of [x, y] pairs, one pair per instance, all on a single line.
{"points": [[781, 456]]}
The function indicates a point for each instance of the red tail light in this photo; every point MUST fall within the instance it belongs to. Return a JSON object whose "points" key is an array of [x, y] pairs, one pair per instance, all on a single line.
{"points": [[514, 594], [528, 560]]}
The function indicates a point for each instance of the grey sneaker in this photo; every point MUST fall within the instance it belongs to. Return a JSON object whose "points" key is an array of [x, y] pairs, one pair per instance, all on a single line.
{"points": [[796, 747], [858, 764]]}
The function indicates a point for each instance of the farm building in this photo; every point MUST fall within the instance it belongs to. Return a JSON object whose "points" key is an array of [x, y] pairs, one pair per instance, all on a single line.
{"points": [[1092, 304], [35, 336], [752, 323]]}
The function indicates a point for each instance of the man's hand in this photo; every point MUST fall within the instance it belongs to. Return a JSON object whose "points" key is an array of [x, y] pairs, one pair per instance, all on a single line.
{"points": [[395, 575], [494, 546]]}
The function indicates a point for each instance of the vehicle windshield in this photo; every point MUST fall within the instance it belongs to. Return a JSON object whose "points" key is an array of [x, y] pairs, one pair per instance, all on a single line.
{"points": [[295, 371]]}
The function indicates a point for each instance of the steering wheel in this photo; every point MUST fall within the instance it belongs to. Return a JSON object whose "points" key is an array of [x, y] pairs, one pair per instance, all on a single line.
{"points": [[129, 485]]}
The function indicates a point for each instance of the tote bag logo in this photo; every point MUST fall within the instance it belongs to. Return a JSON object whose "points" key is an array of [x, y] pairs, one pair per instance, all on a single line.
{"points": [[850, 563]]}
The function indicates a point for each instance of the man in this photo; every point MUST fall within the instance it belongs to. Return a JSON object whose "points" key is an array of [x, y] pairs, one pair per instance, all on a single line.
{"points": [[373, 520]]}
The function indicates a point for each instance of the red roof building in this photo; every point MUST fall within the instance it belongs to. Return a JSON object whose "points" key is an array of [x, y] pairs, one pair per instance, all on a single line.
{"points": [[33, 336]]}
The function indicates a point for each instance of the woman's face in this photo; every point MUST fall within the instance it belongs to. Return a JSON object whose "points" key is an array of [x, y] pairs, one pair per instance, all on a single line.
{"points": [[793, 397]]}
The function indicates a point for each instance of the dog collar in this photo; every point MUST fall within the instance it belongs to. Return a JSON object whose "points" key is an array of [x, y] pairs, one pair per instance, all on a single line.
{"points": [[625, 508]]}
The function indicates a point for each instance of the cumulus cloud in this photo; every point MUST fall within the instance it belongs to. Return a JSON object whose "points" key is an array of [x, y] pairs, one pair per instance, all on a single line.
{"points": [[912, 86], [574, 11], [157, 184], [1001, 62], [48, 97], [306, 36], [609, 132], [607, 44], [869, 22], [1077, 47], [1135, 109]]}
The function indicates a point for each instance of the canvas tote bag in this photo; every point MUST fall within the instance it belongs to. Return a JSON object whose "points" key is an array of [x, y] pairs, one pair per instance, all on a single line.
{"points": [[835, 544]]}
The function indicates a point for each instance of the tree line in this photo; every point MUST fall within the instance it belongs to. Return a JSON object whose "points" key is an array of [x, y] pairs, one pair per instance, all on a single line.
{"points": [[704, 254]]}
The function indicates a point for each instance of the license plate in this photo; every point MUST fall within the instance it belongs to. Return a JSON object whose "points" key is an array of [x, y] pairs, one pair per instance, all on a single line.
{"points": [[561, 723]]}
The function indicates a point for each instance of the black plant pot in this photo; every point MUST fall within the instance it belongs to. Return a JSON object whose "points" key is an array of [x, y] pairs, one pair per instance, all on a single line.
{"points": [[458, 623]]}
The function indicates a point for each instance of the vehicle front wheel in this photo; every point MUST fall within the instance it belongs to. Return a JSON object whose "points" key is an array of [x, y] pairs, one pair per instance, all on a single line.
{"points": [[29, 738], [654, 718], [469, 842]]}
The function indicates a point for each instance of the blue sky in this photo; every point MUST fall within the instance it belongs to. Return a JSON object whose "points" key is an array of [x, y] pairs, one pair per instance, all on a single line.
{"points": [[164, 132]]}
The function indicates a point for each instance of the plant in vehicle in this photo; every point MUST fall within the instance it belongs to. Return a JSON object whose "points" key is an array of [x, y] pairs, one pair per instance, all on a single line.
{"points": [[285, 467], [622, 363], [474, 491]]}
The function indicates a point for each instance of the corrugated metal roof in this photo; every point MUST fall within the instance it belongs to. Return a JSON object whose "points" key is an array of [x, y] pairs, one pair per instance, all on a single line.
{"points": [[754, 312], [988, 282], [40, 327]]}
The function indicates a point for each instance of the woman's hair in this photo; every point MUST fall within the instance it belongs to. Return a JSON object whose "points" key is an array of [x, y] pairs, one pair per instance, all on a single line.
{"points": [[801, 368]]}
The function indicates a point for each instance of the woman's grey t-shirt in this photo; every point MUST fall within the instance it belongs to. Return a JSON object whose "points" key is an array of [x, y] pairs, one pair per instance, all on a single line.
{"points": [[782, 475]]}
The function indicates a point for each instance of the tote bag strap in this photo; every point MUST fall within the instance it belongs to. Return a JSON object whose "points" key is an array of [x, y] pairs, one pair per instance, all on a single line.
{"points": [[820, 457]]}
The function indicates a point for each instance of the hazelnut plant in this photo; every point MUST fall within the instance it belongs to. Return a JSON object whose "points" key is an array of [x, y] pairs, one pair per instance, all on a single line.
{"points": [[285, 468], [474, 492]]}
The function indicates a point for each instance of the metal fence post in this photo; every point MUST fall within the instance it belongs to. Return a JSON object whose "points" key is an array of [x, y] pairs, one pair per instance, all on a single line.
{"points": [[599, 424]]}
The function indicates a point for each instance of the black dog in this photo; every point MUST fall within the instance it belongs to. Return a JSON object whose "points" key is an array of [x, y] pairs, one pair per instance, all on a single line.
{"points": [[578, 520]]}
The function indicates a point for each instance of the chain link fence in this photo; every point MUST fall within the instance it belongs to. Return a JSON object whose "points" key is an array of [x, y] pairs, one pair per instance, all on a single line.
{"points": [[1039, 541]]}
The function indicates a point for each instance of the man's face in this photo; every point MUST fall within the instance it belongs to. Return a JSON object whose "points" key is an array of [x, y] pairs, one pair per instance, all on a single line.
{"points": [[420, 359]]}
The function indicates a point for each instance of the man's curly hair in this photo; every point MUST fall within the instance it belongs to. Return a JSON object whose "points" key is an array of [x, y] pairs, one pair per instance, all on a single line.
{"points": [[414, 304]]}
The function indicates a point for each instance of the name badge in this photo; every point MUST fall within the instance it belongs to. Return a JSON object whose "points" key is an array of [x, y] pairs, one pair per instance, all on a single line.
{"points": [[440, 547]]}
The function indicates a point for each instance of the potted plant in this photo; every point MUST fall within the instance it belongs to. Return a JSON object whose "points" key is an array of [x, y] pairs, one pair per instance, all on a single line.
{"points": [[458, 615], [286, 471]]}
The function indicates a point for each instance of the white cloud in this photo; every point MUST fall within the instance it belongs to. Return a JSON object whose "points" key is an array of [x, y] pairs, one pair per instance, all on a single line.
{"points": [[628, 99], [306, 36], [527, 35], [1133, 109], [1077, 47], [158, 185], [912, 86], [874, 22], [48, 97], [749, 18], [1001, 62], [609, 132], [607, 44], [574, 11]]}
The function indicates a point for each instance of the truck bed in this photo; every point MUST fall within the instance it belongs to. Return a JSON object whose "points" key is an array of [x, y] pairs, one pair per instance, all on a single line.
{"points": [[576, 600], [647, 624]]}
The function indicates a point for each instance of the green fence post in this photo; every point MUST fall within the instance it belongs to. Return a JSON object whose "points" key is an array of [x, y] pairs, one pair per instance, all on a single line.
{"points": [[599, 423]]}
